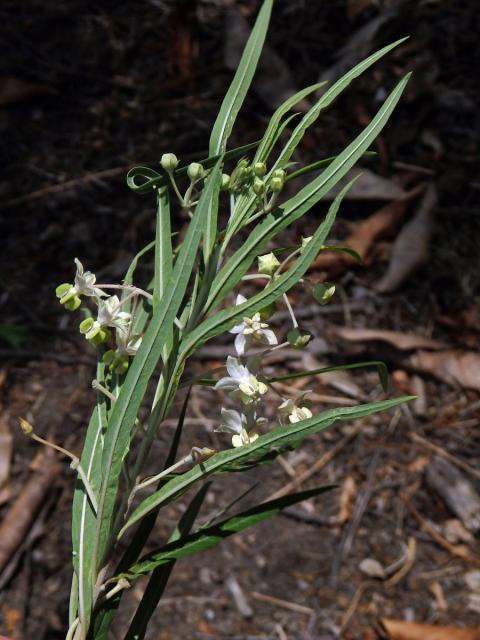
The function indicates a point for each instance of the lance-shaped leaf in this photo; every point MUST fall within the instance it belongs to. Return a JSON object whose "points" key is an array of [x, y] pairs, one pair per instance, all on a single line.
{"points": [[241, 82], [210, 536], [295, 207], [84, 518], [143, 365], [378, 364], [163, 246], [264, 448]]}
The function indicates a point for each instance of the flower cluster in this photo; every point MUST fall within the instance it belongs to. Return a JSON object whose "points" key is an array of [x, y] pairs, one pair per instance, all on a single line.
{"points": [[246, 386], [109, 315]]}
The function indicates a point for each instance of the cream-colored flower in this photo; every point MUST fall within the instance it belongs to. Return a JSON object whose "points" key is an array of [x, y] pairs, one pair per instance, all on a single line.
{"points": [[251, 329]]}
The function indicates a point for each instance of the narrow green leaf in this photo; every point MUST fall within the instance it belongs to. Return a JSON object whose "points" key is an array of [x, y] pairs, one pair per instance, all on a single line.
{"points": [[378, 364], [303, 201], [84, 518], [270, 134], [319, 164], [277, 440], [241, 82], [326, 99], [143, 365], [161, 574], [210, 233], [163, 247], [208, 537], [343, 249]]}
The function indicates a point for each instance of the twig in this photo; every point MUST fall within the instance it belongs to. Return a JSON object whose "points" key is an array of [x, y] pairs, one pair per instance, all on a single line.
{"points": [[409, 562], [65, 186], [239, 597], [320, 464], [457, 550], [284, 604], [445, 454], [357, 515]]}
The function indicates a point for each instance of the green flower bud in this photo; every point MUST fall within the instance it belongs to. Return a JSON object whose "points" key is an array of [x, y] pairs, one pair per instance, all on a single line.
{"points": [[280, 173], [169, 162], [268, 264], [121, 366], [299, 338], [73, 303], [108, 357], [323, 291], [225, 182], [258, 186], [260, 169], [276, 185], [195, 171]]}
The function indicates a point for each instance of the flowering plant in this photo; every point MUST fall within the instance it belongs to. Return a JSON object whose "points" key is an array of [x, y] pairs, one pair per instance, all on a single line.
{"points": [[138, 334]]}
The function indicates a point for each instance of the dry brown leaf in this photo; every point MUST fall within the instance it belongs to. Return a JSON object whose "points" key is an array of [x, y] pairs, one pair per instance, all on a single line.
{"points": [[400, 630], [410, 249], [369, 186], [362, 239], [6, 444], [402, 341], [15, 90], [454, 367], [347, 496]]}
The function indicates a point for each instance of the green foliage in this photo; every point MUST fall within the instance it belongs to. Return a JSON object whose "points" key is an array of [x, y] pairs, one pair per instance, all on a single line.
{"points": [[186, 304]]}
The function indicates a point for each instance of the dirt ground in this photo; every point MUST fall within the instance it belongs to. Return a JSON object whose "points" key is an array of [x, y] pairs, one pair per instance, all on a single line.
{"points": [[88, 90]]}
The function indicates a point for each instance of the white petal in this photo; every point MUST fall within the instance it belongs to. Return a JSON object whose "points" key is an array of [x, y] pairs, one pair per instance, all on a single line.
{"points": [[238, 328], [240, 299], [270, 337], [235, 369], [240, 342], [227, 383], [237, 441]]}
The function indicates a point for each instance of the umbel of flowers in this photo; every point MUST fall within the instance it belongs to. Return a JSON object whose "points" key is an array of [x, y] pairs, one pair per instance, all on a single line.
{"points": [[109, 315]]}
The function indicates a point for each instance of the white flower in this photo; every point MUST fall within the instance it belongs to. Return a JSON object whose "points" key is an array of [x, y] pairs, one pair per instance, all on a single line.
{"points": [[127, 345], [291, 411], [240, 426], [85, 281], [251, 329], [109, 314], [241, 382], [305, 242]]}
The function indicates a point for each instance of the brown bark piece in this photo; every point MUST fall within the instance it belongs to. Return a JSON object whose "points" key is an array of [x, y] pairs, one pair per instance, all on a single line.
{"points": [[400, 630], [18, 519]]}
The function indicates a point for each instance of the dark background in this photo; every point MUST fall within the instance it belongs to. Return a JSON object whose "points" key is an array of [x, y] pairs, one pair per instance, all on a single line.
{"points": [[88, 90]]}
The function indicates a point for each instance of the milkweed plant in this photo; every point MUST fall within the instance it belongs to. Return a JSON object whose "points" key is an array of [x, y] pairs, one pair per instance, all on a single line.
{"points": [[144, 339]]}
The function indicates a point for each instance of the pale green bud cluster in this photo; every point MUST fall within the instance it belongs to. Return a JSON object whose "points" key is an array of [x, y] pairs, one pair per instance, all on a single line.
{"points": [[195, 171], [268, 264]]}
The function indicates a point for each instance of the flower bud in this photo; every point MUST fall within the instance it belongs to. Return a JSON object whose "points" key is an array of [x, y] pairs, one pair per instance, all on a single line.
{"points": [[225, 182], [323, 291], [25, 426], [63, 289], [101, 336], [260, 169], [268, 264], [86, 325], [258, 186], [169, 162], [280, 173], [195, 171], [276, 185], [299, 338]]}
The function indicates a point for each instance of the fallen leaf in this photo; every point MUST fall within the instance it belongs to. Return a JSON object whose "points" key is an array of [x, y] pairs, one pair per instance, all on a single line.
{"points": [[400, 630], [372, 568], [410, 249], [347, 495], [362, 239], [455, 367], [273, 81], [455, 532], [6, 444], [369, 186], [14, 90], [12, 618], [437, 592], [402, 341]]}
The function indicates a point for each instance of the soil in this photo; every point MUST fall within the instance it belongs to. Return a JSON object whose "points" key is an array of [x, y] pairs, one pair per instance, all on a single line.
{"points": [[103, 88]]}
